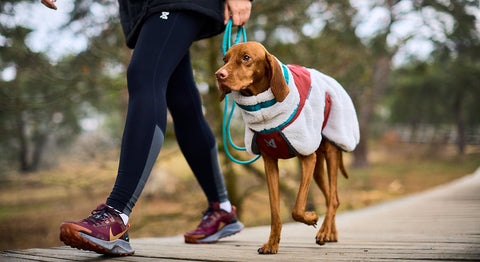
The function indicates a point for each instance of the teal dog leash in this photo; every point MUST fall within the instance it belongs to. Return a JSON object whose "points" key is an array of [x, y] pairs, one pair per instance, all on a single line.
{"points": [[227, 120]]}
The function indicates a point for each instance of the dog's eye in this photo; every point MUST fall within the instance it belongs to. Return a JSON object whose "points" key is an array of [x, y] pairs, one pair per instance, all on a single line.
{"points": [[225, 60], [246, 58]]}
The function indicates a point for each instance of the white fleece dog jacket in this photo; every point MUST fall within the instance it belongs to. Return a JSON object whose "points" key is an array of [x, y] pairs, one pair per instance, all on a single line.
{"points": [[294, 126]]}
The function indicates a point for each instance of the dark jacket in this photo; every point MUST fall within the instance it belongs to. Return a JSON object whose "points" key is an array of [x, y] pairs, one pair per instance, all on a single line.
{"points": [[134, 12]]}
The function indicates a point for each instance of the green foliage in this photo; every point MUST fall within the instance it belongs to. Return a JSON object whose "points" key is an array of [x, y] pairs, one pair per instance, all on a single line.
{"points": [[445, 90], [418, 96], [33, 104], [427, 93], [45, 101]]}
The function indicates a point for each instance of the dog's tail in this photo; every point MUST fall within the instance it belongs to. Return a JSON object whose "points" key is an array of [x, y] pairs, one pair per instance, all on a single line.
{"points": [[342, 166]]}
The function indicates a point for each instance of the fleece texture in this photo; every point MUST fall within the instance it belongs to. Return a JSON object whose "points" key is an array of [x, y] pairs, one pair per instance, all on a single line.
{"points": [[262, 114]]}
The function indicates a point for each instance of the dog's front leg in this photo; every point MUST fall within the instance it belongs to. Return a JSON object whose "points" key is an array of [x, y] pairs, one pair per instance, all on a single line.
{"points": [[271, 172], [298, 213]]}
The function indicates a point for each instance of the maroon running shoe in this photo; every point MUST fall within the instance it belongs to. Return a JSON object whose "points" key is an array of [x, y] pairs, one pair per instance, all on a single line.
{"points": [[103, 232], [216, 223]]}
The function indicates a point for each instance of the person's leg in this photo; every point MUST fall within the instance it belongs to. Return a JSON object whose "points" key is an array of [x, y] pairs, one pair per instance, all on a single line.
{"points": [[194, 136], [197, 142], [161, 46]]}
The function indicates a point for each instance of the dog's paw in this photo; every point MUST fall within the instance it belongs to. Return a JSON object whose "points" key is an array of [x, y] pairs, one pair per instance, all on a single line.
{"points": [[268, 249], [324, 236], [311, 218]]}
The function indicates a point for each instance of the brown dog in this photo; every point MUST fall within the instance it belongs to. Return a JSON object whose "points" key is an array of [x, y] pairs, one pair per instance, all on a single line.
{"points": [[259, 83]]}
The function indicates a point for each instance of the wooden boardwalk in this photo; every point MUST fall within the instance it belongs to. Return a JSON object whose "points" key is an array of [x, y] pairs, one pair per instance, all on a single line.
{"points": [[442, 224]]}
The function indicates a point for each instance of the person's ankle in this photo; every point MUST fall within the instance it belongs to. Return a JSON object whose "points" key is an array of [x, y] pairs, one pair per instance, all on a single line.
{"points": [[226, 206], [122, 215]]}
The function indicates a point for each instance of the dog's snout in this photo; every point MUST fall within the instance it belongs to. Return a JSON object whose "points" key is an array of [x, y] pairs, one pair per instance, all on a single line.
{"points": [[221, 74]]}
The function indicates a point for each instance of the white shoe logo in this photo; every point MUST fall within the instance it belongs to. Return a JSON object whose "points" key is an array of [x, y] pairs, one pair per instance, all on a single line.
{"points": [[164, 15]]}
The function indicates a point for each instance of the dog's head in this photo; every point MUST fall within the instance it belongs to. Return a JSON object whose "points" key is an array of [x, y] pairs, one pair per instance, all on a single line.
{"points": [[251, 70]]}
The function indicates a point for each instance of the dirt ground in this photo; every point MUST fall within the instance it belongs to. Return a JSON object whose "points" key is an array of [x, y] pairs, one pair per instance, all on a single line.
{"points": [[32, 206]]}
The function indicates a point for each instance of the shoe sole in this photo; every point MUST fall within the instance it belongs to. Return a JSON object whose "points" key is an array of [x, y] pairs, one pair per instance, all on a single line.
{"points": [[74, 235], [226, 231]]}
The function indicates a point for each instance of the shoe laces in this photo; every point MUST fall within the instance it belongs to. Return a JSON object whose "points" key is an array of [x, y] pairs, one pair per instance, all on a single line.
{"points": [[209, 217], [99, 215]]}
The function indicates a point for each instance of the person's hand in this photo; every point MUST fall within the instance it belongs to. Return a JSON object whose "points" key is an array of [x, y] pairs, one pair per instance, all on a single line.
{"points": [[50, 4], [238, 10]]}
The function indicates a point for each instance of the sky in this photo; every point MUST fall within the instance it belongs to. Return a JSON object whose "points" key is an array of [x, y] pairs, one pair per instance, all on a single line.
{"points": [[48, 34], [47, 37]]}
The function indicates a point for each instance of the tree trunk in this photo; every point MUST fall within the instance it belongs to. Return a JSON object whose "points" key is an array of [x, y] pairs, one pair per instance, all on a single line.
{"points": [[360, 155], [40, 141], [23, 144], [457, 108], [370, 99], [365, 112]]}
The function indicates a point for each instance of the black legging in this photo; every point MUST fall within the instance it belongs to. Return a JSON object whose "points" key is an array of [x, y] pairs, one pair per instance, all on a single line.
{"points": [[160, 76]]}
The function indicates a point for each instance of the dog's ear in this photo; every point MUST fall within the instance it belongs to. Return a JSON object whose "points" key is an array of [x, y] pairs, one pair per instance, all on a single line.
{"points": [[278, 85]]}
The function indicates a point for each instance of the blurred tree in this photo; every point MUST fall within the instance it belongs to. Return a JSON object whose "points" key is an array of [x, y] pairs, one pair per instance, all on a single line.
{"points": [[45, 101], [7, 6], [459, 55], [33, 105], [444, 91], [418, 96], [343, 55]]}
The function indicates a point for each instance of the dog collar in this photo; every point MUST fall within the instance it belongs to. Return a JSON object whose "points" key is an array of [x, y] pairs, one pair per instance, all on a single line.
{"points": [[263, 100], [268, 103], [258, 106]]}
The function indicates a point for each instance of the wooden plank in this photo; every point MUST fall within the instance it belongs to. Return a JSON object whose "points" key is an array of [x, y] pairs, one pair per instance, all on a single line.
{"points": [[53, 254], [440, 225]]}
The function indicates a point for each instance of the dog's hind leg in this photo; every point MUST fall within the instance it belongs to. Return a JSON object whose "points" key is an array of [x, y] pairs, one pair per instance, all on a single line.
{"points": [[319, 175], [298, 213], [328, 231]]}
